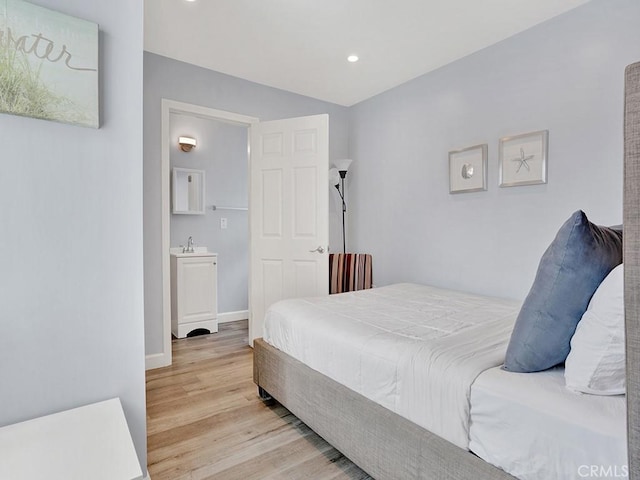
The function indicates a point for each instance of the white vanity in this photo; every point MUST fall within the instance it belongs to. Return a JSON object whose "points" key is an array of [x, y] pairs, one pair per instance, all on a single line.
{"points": [[194, 291]]}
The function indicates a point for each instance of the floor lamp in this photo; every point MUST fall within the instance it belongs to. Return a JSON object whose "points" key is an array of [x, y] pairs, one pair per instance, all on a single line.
{"points": [[336, 177]]}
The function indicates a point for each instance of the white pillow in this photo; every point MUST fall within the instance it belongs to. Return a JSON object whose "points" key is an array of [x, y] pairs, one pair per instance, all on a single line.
{"points": [[596, 362]]}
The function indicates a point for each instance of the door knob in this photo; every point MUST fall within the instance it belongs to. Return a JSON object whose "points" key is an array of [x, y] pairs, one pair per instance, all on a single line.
{"points": [[320, 249]]}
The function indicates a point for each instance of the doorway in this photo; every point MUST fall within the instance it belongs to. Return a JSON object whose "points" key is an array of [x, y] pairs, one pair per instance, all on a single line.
{"points": [[223, 227], [169, 109]]}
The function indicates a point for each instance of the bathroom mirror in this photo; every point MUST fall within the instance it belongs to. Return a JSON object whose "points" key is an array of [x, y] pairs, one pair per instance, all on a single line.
{"points": [[188, 191]]}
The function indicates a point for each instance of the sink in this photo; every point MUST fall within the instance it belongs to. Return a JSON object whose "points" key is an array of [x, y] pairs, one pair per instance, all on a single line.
{"points": [[197, 252]]}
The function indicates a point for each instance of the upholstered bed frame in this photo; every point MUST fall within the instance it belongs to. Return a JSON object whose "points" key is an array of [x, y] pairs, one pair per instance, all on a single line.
{"points": [[386, 445], [632, 260]]}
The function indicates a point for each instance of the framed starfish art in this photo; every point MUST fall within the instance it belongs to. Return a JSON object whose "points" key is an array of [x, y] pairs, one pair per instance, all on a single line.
{"points": [[523, 159]]}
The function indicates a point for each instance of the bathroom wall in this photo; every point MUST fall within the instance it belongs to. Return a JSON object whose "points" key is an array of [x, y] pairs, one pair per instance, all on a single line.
{"points": [[222, 153]]}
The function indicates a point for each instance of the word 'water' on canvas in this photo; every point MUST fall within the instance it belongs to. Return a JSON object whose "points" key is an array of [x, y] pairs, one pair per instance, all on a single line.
{"points": [[48, 64], [39, 46]]}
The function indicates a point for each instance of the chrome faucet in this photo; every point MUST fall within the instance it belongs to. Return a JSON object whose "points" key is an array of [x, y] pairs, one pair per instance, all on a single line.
{"points": [[189, 247]]}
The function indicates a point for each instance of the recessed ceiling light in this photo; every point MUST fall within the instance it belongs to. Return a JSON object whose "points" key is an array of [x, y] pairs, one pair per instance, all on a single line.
{"points": [[352, 58]]}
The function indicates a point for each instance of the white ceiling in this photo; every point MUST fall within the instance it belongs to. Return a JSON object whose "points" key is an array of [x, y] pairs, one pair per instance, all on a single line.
{"points": [[301, 45]]}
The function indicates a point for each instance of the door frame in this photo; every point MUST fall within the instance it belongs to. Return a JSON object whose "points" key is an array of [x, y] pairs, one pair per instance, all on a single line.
{"points": [[168, 107]]}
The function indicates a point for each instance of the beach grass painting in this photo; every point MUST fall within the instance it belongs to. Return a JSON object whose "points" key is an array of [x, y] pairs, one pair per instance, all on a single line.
{"points": [[48, 65]]}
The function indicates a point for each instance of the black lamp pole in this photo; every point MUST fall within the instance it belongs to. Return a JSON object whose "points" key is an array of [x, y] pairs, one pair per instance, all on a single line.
{"points": [[343, 173]]}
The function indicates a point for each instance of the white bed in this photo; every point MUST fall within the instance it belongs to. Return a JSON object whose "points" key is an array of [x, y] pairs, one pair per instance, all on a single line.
{"points": [[413, 349], [573, 432], [430, 355]]}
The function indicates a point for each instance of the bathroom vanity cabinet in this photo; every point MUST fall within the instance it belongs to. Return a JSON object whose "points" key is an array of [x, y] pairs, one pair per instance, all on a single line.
{"points": [[194, 292]]}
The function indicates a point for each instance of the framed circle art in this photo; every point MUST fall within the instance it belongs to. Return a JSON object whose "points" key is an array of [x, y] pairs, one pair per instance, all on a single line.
{"points": [[468, 169]]}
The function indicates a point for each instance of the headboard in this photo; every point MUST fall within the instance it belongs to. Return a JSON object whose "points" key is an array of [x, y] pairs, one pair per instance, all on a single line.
{"points": [[632, 260]]}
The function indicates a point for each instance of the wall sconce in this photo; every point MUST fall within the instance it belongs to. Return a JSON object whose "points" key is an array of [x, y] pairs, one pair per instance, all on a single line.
{"points": [[186, 143], [336, 178]]}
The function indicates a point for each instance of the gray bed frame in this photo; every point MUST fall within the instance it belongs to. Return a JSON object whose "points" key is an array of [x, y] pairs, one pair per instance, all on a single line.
{"points": [[386, 445]]}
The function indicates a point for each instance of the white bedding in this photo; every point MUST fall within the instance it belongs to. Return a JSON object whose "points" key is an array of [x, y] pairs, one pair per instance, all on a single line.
{"points": [[413, 349], [532, 426]]}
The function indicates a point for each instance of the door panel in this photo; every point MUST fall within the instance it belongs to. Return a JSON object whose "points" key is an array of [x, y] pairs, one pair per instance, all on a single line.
{"points": [[306, 141], [289, 213], [272, 281], [271, 204], [306, 278], [305, 198], [272, 144]]}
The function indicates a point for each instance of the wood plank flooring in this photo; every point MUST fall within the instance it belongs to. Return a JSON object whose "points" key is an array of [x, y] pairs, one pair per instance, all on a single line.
{"points": [[205, 420]]}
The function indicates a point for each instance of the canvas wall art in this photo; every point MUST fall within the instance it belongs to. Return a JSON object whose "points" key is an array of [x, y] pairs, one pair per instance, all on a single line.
{"points": [[48, 64]]}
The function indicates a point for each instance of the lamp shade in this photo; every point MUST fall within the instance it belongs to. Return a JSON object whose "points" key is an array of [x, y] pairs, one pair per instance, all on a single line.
{"points": [[186, 143], [334, 177], [343, 164]]}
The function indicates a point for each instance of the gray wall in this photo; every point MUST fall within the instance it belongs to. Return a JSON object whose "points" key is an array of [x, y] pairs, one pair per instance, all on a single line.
{"points": [[222, 153], [71, 292], [166, 78], [565, 75]]}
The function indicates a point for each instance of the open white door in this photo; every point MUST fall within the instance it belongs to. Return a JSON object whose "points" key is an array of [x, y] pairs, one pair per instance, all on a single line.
{"points": [[289, 205]]}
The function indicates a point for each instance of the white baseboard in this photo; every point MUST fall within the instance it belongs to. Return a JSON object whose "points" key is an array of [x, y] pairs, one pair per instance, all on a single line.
{"points": [[147, 476], [233, 316], [156, 360]]}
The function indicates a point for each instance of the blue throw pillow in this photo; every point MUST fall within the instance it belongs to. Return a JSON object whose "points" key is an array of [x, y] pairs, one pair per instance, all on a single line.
{"points": [[576, 262]]}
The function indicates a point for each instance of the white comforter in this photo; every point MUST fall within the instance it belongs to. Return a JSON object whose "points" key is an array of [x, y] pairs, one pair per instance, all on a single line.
{"points": [[413, 349]]}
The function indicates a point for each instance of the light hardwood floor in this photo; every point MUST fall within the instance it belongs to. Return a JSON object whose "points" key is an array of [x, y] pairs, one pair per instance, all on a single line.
{"points": [[205, 420]]}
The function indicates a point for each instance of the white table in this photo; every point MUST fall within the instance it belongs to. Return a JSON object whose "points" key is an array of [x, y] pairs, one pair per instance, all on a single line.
{"points": [[90, 442]]}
